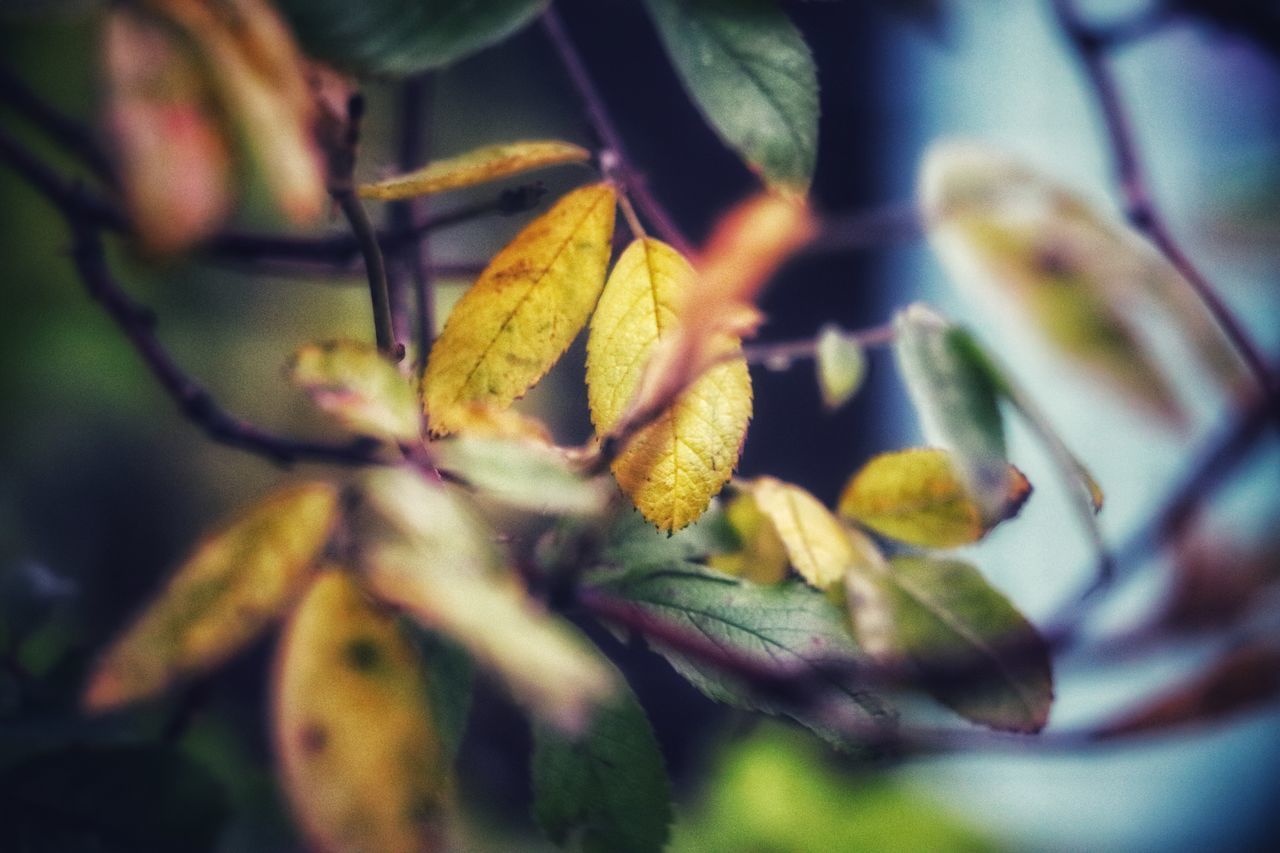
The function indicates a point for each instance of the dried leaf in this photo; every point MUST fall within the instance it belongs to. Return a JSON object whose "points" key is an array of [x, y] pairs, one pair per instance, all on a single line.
{"points": [[360, 387], [1021, 240], [174, 161], [674, 466], [749, 70], [1239, 681], [238, 582], [425, 553], [957, 404], [258, 77], [359, 754], [974, 651], [841, 366], [523, 311], [482, 165], [916, 496]]}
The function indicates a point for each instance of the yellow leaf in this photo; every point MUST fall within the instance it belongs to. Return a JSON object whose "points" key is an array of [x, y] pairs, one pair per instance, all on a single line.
{"points": [[762, 558], [481, 421], [745, 250], [523, 311], [259, 79], [817, 544], [174, 163], [434, 560], [674, 466], [840, 364], [359, 755], [359, 386], [916, 496], [1017, 239], [236, 584], [491, 163]]}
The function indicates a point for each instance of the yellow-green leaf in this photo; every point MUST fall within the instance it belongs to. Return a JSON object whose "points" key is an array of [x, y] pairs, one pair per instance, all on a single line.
{"points": [[236, 584], [359, 754], [761, 557], [434, 560], [674, 466], [523, 474], [917, 497], [818, 546], [360, 387], [523, 311], [841, 366], [1017, 239], [490, 163]]}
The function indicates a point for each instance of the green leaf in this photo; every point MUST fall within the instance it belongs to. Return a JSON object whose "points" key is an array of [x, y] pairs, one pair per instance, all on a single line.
{"points": [[524, 475], [957, 404], [841, 366], [449, 687], [607, 788], [974, 651], [777, 792], [747, 67], [632, 542], [115, 799], [789, 628], [360, 387], [402, 37]]}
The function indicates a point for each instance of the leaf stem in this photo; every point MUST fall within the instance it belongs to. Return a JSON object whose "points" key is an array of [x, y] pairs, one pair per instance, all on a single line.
{"points": [[414, 150], [615, 153]]}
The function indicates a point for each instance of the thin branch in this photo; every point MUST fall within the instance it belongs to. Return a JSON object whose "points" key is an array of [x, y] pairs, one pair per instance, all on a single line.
{"points": [[1090, 49], [780, 355], [614, 161], [68, 133], [868, 229], [414, 150], [192, 399]]}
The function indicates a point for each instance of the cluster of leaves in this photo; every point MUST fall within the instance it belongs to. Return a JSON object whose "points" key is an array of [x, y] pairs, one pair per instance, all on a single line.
{"points": [[767, 600]]}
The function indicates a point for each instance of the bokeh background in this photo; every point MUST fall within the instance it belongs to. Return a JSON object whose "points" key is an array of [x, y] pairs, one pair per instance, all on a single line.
{"points": [[103, 486]]}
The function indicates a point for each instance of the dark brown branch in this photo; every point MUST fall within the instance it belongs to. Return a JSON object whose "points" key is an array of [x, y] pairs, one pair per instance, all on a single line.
{"points": [[614, 160], [136, 322], [1090, 49], [68, 133], [415, 262]]}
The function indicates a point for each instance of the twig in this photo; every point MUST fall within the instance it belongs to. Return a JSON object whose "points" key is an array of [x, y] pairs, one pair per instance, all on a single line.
{"points": [[194, 401], [869, 229], [61, 128], [1090, 49], [415, 108], [781, 354], [615, 154]]}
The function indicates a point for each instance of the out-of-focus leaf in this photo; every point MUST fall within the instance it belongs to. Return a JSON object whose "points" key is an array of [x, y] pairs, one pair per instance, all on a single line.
{"points": [[238, 582], [788, 628], [523, 311], [114, 799], [450, 687], [524, 475], [423, 553], [746, 248], [483, 421], [633, 542], [760, 557], [750, 72], [975, 652], [817, 545], [402, 37], [1021, 240], [248, 55], [607, 788], [490, 163], [361, 388], [841, 366], [776, 792], [916, 496], [674, 466], [174, 162], [957, 405], [1239, 681], [359, 755]]}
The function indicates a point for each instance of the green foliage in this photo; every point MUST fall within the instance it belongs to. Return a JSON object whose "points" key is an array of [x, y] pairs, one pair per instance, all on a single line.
{"points": [[606, 788], [751, 73], [787, 628], [401, 37]]}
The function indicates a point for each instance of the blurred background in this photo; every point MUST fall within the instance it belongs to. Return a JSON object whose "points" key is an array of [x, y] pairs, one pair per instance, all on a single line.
{"points": [[104, 486]]}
